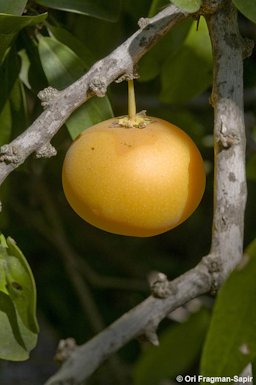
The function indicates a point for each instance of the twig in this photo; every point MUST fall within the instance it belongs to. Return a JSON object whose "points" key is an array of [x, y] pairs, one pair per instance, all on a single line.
{"points": [[229, 202], [141, 320]]}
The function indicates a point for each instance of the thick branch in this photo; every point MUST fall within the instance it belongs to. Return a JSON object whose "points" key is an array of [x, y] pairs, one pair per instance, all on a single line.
{"points": [[60, 104], [229, 132]]}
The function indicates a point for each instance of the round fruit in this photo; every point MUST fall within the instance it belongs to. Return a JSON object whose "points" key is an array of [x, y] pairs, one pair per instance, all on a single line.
{"points": [[134, 181]]}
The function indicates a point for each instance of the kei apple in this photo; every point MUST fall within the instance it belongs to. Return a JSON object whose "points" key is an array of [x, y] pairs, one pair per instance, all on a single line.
{"points": [[134, 179]]}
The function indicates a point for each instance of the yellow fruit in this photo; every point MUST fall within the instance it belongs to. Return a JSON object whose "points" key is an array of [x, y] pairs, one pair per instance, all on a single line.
{"points": [[134, 181]]}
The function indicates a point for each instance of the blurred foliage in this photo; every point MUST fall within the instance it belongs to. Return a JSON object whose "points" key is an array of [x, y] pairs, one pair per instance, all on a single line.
{"points": [[232, 332], [86, 278]]}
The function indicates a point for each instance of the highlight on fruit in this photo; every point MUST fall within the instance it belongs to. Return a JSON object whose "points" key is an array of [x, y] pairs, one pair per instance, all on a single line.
{"points": [[135, 176]]}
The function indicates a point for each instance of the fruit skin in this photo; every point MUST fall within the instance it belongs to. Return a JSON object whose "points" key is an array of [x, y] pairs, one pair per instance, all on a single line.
{"points": [[134, 181]]}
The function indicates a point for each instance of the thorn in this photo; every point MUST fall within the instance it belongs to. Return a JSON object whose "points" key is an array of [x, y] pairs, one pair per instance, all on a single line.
{"points": [[152, 337], [159, 285], [143, 22], [65, 349]]}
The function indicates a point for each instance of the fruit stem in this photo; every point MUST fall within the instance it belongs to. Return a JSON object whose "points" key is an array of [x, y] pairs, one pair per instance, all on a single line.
{"points": [[131, 100]]}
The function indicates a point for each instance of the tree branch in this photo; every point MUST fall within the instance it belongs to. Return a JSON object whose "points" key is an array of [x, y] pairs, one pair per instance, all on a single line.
{"points": [[229, 204], [60, 104], [229, 139], [142, 320]]}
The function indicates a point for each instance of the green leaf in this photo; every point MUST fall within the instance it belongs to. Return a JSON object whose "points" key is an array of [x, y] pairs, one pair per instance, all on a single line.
{"points": [[178, 350], [14, 7], [62, 67], [189, 72], [231, 339], [13, 114], [60, 64], [19, 328], [95, 110], [12, 100], [9, 72], [18, 106], [76, 45], [6, 123], [32, 73], [247, 8], [151, 64], [10, 26], [96, 8], [188, 5]]}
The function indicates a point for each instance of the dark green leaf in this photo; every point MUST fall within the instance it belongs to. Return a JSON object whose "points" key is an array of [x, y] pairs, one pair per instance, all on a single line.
{"points": [[188, 5], [18, 108], [14, 7], [9, 72], [10, 25], [231, 339], [247, 8], [19, 328], [156, 6], [76, 45], [189, 72], [32, 73], [96, 8], [62, 67], [6, 123], [12, 108], [251, 168], [135, 9], [178, 350], [151, 64], [13, 114]]}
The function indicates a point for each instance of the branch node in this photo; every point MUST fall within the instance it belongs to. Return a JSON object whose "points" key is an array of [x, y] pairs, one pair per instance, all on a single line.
{"points": [[214, 267], [46, 151], [65, 349], [143, 22], [10, 154], [227, 140], [98, 87], [159, 285], [47, 96], [129, 75]]}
